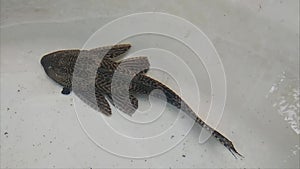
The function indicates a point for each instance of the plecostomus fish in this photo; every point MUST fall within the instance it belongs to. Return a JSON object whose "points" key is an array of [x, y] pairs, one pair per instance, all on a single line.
{"points": [[97, 76]]}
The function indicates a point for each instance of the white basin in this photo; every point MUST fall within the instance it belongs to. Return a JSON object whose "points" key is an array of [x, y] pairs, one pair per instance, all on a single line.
{"points": [[258, 44]]}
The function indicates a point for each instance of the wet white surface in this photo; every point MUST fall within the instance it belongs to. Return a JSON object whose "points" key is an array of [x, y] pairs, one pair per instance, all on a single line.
{"points": [[258, 43]]}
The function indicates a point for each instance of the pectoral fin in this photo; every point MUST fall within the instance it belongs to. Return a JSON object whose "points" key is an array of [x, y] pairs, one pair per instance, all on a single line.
{"points": [[95, 100], [134, 102], [126, 105], [134, 65], [103, 104], [121, 81]]}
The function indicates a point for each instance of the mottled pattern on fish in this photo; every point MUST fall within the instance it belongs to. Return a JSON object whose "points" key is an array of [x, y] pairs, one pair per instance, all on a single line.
{"points": [[99, 77]]}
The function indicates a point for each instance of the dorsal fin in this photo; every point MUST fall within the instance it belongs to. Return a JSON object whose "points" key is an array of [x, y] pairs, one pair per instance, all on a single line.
{"points": [[130, 66], [110, 52]]}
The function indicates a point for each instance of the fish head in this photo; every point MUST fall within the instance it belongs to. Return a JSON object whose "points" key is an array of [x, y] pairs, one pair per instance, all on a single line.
{"points": [[59, 65]]}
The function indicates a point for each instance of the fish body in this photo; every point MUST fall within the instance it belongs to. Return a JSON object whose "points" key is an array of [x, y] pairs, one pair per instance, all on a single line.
{"points": [[96, 76]]}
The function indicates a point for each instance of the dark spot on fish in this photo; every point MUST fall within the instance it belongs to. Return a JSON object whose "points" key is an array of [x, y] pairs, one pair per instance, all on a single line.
{"points": [[18, 90], [7, 109], [183, 155], [6, 134], [66, 91], [172, 137], [50, 142]]}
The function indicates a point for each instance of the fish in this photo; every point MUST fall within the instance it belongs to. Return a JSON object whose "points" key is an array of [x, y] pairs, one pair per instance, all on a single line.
{"points": [[98, 76]]}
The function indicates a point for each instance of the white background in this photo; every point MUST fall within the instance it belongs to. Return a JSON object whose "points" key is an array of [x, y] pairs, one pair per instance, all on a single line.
{"points": [[258, 42]]}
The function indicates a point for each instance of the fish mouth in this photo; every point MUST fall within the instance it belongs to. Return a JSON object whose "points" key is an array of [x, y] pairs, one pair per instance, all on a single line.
{"points": [[44, 61]]}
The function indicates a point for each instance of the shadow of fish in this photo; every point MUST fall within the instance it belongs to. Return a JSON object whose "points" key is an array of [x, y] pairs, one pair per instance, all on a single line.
{"points": [[97, 76]]}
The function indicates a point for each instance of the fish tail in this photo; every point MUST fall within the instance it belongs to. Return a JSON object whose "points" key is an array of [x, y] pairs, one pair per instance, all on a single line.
{"points": [[148, 84], [227, 143]]}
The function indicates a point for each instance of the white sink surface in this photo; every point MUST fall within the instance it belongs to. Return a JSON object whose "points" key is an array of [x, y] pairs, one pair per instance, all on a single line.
{"points": [[258, 44]]}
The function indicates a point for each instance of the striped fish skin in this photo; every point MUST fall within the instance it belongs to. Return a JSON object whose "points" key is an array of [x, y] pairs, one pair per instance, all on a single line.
{"points": [[96, 89]]}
